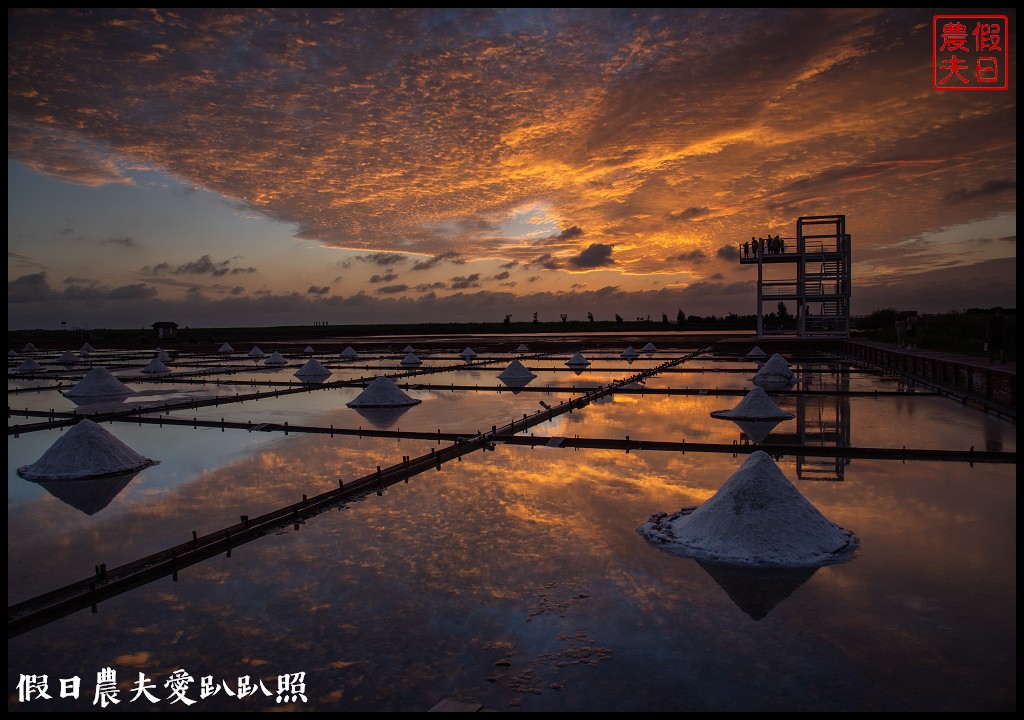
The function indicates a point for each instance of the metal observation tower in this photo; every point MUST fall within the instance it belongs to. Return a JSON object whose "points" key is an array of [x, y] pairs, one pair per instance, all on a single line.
{"points": [[803, 280]]}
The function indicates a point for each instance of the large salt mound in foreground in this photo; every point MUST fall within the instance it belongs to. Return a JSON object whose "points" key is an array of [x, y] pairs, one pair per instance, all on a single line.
{"points": [[758, 519], [516, 371], [382, 392], [86, 450]]}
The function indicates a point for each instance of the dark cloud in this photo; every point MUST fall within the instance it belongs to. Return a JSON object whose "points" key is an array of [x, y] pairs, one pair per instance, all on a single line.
{"points": [[314, 290], [992, 187], [597, 255], [569, 233], [237, 290], [425, 287], [386, 277], [501, 276], [688, 213], [393, 289], [433, 262], [29, 288], [203, 266], [728, 252], [462, 283], [385, 259], [694, 256], [125, 241]]}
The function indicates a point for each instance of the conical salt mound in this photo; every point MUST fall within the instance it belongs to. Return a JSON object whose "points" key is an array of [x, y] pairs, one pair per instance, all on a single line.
{"points": [[382, 392], [577, 360], [411, 359], [775, 372], [757, 518], [162, 356], [756, 352], [468, 354], [98, 382], [276, 359], [225, 348], [522, 349], [29, 348], [155, 367], [67, 358], [256, 352], [87, 348], [11, 353], [408, 349], [516, 371], [755, 405], [309, 350], [86, 450], [649, 348], [29, 366], [349, 353], [312, 369], [629, 353]]}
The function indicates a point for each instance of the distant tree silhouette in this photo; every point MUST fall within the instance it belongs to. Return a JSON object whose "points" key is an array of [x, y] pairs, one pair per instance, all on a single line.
{"points": [[680, 318], [618, 318], [508, 319], [664, 319], [565, 318], [535, 317], [590, 316]]}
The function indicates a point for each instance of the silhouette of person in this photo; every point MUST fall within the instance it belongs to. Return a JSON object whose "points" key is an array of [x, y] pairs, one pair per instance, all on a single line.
{"points": [[746, 249]]}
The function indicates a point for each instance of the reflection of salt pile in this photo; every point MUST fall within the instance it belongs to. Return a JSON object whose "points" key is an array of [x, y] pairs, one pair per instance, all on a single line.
{"points": [[276, 359], [516, 371], [349, 354], [312, 370], [225, 348], [90, 495], [756, 352], [29, 366], [382, 392], [98, 383], [649, 348], [756, 405], [577, 360], [775, 373], [86, 450], [67, 358], [757, 518], [629, 353], [411, 359], [155, 367]]}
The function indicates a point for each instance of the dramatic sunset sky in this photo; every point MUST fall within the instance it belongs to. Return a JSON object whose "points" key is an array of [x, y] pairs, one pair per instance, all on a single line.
{"points": [[248, 167]]}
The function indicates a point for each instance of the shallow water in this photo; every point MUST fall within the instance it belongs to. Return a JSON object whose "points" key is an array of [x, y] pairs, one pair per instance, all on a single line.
{"points": [[515, 578]]}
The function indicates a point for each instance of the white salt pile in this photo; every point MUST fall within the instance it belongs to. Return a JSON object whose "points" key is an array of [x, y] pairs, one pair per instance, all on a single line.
{"points": [[29, 366], [276, 359], [29, 348], [162, 356], [649, 348], [87, 348], [155, 367], [516, 371], [522, 349], [312, 369], [629, 353], [349, 354], [755, 405], [408, 349], [86, 450], [411, 359], [225, 348], [11, 353], [756, 352], [309, 350], [382, 392], [757, 518], [256, 352], [577, 360], [468, 354], [98, 383], [775, 372], [67, 358]]}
